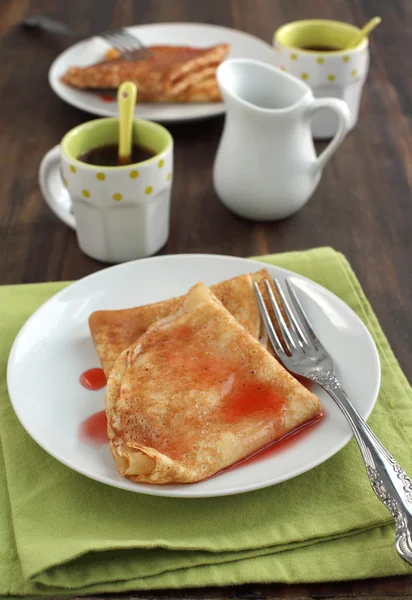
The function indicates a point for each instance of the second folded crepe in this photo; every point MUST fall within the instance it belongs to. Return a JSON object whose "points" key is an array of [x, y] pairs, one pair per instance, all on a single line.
{"points": [[163, 74], [114, 330]]}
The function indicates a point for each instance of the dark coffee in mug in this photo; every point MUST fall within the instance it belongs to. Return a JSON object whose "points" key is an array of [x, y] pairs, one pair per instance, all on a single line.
{"points": [[108, 155]]}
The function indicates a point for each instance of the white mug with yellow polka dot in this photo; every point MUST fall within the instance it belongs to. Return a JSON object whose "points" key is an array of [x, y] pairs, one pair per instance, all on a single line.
{"points": [[120, 213], [304, 49]]}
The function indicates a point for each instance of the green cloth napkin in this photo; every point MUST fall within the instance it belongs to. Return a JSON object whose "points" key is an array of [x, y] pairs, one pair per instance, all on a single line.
{"points": [[63, 534]]}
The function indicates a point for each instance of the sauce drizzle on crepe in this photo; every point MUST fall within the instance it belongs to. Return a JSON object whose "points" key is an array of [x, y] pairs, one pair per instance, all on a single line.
{"points": [[249, 398], [286, 442]]}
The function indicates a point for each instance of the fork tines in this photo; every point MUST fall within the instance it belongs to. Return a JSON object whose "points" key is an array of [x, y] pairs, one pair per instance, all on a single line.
{"points": [[291, 319], [129, 46]]}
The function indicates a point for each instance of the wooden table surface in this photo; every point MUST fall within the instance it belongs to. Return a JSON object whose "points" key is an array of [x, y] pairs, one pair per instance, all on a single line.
{"points": [[362, 207]]}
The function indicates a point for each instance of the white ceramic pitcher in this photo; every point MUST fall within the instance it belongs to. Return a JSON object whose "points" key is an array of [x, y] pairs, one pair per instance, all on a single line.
{"points": [[266, 167]]}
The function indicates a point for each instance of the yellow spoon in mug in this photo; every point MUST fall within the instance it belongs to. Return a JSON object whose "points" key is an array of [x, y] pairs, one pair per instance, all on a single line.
{"points": [[366, 30], [126, 101]]}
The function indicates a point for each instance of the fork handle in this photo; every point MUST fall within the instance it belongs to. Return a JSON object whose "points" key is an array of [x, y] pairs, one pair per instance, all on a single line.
{"points": [[387, 478], [49, 25]]}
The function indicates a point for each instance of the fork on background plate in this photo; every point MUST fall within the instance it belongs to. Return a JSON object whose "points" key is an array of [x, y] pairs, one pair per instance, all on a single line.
{"points": [[302, 353], [129, 46]]}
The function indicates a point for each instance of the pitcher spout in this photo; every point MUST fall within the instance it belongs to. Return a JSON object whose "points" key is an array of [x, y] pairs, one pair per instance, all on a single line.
{"points": [[259, 86]]}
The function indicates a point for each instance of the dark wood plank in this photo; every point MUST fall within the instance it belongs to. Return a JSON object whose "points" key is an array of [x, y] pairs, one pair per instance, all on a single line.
{"points": [[362, 206]]}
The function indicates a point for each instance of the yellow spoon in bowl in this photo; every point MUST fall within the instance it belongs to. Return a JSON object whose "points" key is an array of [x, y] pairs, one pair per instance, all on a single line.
{"points": [[365, 31], [126, 101]]}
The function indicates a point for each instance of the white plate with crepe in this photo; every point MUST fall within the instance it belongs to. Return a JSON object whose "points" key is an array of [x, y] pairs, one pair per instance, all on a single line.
{"points": [[55, 346], [198, 35]]}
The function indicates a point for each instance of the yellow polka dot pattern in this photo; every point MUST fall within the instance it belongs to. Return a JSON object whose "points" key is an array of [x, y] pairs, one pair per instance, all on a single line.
{"points": [[133, 175], [320, 60]]}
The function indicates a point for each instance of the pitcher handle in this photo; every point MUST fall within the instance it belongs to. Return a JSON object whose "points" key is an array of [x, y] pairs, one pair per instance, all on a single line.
{"points": [[341, 109]]}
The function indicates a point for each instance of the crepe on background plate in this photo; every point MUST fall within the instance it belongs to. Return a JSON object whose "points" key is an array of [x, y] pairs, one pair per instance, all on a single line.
{"points": [[114, 330], [167, 74], [197, 393]]}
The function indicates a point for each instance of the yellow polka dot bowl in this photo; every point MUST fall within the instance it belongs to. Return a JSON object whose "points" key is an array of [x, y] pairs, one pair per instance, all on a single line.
{"points": [[304, 49], [121, 213]]}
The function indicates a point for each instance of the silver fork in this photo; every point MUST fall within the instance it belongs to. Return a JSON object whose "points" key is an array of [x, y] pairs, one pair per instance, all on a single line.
{"points": [[306, 356], [129, 46]]}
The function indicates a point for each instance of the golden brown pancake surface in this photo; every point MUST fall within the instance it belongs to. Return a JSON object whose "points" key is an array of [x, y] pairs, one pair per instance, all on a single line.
{"points": [[168, 74], [114, 330], [197, 393]]}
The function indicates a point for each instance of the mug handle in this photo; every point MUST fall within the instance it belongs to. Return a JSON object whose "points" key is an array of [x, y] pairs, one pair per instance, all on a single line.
{"points": [[340, 108], [51, 162]]}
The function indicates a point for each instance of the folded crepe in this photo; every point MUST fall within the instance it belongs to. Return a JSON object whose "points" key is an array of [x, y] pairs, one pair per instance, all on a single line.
{"points": [[167, 74], [114, 330], [197, 393]]}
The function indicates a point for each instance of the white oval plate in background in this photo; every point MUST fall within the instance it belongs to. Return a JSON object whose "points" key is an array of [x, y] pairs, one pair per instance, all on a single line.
{"points": [[55, 346], [200, 35]]}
